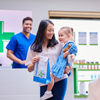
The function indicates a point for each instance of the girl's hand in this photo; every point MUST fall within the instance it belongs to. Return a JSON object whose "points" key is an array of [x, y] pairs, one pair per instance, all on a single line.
{"points": [[65, 54], [35, 59]]}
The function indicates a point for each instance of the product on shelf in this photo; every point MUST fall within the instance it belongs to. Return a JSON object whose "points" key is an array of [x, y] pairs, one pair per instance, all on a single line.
{"points": [[76, 62], [82, 90], [92, 65], [91, 76], [87, 65], [97, 66], [81, 64]]}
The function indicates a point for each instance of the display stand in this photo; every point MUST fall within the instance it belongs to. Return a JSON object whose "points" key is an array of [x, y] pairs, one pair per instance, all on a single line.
{"points": [[76, 70]]}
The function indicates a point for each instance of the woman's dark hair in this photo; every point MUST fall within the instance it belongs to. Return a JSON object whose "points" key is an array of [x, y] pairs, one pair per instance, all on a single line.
{"points": [[38, 43]]}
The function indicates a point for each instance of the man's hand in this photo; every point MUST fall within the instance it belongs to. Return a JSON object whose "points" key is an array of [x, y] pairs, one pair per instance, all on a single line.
{"points": [[22, 62]]}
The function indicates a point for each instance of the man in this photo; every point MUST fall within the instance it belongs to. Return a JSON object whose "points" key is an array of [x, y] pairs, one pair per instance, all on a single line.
{"points": [[18, 46]]}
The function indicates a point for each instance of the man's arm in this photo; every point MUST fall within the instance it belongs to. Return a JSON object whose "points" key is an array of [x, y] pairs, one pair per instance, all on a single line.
{"points": [[14, 58]]}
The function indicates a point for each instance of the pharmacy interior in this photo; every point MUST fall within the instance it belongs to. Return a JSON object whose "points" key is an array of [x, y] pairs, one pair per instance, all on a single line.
{"points": [[86, 37]]}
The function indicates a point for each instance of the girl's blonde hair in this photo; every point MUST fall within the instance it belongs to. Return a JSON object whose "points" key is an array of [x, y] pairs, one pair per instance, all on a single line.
{"points": [[69, 30]]}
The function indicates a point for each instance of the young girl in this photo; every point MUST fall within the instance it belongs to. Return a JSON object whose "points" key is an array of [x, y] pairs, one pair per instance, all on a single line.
{"points": [[65, 36]]}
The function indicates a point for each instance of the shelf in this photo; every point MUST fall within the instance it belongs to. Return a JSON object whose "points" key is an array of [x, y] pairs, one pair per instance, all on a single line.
{"points": [[80, 96], [84, 80], [87, 64], [75, 66], [76, 81], [88, 69]]}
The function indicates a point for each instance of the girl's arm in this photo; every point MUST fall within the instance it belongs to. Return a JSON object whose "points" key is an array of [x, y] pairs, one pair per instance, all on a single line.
{"points": [[65, 54], [72, 50]]}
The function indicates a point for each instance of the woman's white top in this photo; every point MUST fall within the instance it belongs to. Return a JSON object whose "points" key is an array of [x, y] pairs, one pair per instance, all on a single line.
{"points": [[52, 54]]}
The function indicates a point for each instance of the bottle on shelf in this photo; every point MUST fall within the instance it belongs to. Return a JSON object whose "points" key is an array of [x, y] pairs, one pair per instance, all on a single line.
{"points": [[80, 66], [82, 90], [83, 62], [87, 65], [97, 66], [95, 76], [98, 75], [91, 76], [92, 65]]}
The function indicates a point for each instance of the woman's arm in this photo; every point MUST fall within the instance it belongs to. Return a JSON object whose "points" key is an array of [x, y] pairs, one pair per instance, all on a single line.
{"points": [[31, 66], [68, 70], [31, 60]]}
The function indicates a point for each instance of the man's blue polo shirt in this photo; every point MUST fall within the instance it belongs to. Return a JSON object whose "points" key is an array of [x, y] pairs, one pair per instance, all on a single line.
{"points": [[19, 44]]}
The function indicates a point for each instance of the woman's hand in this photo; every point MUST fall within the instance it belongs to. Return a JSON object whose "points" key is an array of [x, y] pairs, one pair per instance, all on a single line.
{"points": [[65, 54], [67, 70], [31, 66], [35, 59]]}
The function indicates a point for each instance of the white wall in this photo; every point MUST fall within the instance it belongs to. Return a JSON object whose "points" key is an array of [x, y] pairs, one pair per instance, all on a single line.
{"points": [[40, 10], [17, 84], [82, 26]]}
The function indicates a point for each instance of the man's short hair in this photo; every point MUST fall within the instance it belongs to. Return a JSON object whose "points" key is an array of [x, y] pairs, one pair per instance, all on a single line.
{"points": [[27, 18]]}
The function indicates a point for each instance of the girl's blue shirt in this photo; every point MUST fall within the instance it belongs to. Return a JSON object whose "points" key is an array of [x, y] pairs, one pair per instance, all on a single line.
{"points": [[61, 62]]}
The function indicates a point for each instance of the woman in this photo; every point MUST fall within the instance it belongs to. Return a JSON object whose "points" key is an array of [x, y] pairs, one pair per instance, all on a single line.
{"points": [[45, 44]]}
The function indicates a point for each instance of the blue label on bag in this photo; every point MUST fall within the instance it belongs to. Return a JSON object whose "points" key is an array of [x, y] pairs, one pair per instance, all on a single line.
{"points": [[37, 69]]}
